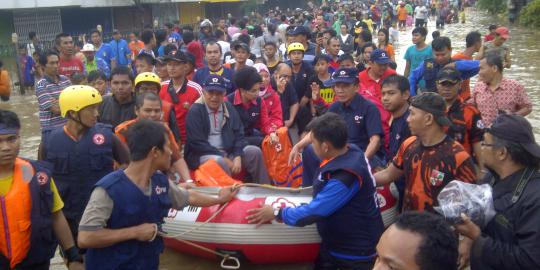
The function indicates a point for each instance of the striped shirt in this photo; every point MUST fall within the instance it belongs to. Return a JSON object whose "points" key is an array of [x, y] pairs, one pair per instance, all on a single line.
{"points": [[47, 92]]}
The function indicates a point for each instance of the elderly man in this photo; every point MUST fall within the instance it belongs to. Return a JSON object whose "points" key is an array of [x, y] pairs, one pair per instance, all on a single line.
{"points": [[510, 239], [214, 130]]}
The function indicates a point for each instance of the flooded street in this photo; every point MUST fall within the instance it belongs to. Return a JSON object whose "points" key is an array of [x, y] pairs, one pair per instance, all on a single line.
{"points": [[525, 58]]}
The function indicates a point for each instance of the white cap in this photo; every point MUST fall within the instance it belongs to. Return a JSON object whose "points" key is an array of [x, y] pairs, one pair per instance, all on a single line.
{"points": [[88, 48]]}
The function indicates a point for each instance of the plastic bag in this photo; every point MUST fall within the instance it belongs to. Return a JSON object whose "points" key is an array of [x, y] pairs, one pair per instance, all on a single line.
{"points": [[476, 201]]}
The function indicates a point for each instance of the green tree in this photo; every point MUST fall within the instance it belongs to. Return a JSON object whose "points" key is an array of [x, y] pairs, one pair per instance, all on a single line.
{"points": [[492, 6], [530, 15]]}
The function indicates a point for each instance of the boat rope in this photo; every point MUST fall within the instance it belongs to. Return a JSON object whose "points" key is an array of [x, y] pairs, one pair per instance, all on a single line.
{"points": [[226, 257]]}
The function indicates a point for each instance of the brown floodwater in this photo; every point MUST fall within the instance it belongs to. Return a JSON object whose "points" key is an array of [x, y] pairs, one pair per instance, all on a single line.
{"points": [[525, 55]]}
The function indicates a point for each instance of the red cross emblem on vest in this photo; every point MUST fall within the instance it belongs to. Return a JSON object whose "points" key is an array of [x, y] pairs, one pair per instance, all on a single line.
{"points": [[42, 178], [98, 139]]}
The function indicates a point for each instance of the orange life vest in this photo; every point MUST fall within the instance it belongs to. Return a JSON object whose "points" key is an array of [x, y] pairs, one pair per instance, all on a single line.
{"points": [[16, 214], [276, 158], [210, 174]]}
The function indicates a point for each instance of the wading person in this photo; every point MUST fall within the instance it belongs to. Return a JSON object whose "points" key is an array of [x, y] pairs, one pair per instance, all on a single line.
{"points": [[510, 239], [82, 152], [120, 222], [343, 205], [31, 208]]}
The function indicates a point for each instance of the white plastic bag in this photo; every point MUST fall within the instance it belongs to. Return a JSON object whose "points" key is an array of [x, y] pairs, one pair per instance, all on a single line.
{"points": [[476, 201]]}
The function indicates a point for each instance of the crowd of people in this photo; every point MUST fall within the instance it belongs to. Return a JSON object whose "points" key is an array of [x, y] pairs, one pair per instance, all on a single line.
{"points": [[124, 125]]}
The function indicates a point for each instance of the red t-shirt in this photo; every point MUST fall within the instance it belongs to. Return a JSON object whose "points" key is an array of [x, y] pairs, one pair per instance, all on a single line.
{"points": [[371, 90], [186, 95], [68, 67]]}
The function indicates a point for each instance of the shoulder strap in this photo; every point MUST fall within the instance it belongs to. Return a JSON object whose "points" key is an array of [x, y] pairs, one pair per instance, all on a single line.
{"points": [[525, 179]]}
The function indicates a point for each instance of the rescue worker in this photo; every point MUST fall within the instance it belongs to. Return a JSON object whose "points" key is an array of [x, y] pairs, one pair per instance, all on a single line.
{"points": [[148, 106], [148, 82], [510, 239], [467, 127], [121, 221], [82, 151], [343, 206], [442, 56], [32, 220]]}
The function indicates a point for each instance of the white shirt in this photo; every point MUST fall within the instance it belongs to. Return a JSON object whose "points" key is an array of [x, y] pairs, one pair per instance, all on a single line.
{"points": [[225, 48], [420, 12]]}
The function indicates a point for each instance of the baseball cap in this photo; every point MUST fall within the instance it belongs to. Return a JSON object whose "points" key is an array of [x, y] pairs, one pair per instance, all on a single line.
{"points": [[214, 82], [380, 56], [343, 75], [503, 32], [432, 103], [88, 48], [240, 45], [115, 31], [261, 67], [449, 75], [298, 30], [515, 128], [179, 56]]}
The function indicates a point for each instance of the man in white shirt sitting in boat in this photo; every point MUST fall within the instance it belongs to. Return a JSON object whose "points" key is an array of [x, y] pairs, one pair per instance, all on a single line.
{"points": [[343, 206], [120, 224]]}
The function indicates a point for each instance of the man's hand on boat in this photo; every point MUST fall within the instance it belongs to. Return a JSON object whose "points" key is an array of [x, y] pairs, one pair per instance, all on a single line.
{"points": [[261, 215], [202, 200]]}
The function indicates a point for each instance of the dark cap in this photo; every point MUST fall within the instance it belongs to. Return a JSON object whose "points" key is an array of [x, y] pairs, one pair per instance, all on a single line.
{"points": [[160, 60], [190, 58], [178, 56], [343, 75], [240, 45], [448, 74], [432, 103], [115, 31], [380, 56], [214, 83], [515, 128], [298, 30]]}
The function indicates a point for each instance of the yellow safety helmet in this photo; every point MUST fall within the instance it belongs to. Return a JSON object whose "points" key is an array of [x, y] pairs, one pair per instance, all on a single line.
{"points": [[78, 97], [147, 77], [295, 46]]}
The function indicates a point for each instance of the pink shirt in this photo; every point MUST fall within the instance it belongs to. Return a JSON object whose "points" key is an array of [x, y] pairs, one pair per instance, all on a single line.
{"points": [[509, 96]]}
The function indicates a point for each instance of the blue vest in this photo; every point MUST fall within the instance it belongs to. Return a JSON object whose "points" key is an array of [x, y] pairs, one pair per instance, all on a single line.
{"points": [[355, 228], [249, 117], [79, 165], [131, 208], [42, 239], [430, 74]]}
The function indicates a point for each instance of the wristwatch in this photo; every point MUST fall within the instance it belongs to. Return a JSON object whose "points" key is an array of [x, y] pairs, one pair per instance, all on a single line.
{"points": [[72, 255]]}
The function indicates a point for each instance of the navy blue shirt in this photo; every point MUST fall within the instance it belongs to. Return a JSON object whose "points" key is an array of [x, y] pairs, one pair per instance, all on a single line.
{"points": [[399, 132], [363, 120], [300, 80], [287, 98]]}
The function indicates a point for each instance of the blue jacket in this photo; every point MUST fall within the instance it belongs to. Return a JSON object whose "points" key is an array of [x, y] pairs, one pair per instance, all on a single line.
{"points": [[227, 75], [344, 207], [131, 208], [198, 130], [428, 71], [79, 165], [121, 52]]}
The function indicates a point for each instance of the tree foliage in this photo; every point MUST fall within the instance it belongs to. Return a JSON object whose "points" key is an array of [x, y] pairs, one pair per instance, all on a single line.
{"points": [[492, 6], [530, 15]]}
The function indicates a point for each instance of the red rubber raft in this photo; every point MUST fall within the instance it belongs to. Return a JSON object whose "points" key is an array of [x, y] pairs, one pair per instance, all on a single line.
{"points": [[229, 233]]}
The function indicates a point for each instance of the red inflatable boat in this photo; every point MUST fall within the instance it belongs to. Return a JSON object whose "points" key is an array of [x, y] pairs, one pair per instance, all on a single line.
{"points": [[229, 233]]}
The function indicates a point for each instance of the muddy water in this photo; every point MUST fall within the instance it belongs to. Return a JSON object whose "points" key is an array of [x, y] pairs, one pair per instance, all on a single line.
{"points": [[525, 55]]}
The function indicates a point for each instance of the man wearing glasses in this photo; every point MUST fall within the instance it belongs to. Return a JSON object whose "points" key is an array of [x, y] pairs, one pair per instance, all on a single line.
{"points": [[510, 239]]}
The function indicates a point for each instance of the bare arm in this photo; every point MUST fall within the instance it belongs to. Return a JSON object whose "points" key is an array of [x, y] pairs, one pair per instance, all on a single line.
{"points": [[107, 237], [507, 60], [202, 200], [373, 146], [304, 101], [407, 71], [388, 175], [293, 111], [61, 230], [181, 168], [524, 111]]}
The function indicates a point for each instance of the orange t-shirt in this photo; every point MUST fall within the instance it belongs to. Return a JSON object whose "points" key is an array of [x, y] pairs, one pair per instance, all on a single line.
{"points": [[427, 170], [402, 13], [390, 50], [465, 93], [5, 83], [121, 132], [135, 47]]}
